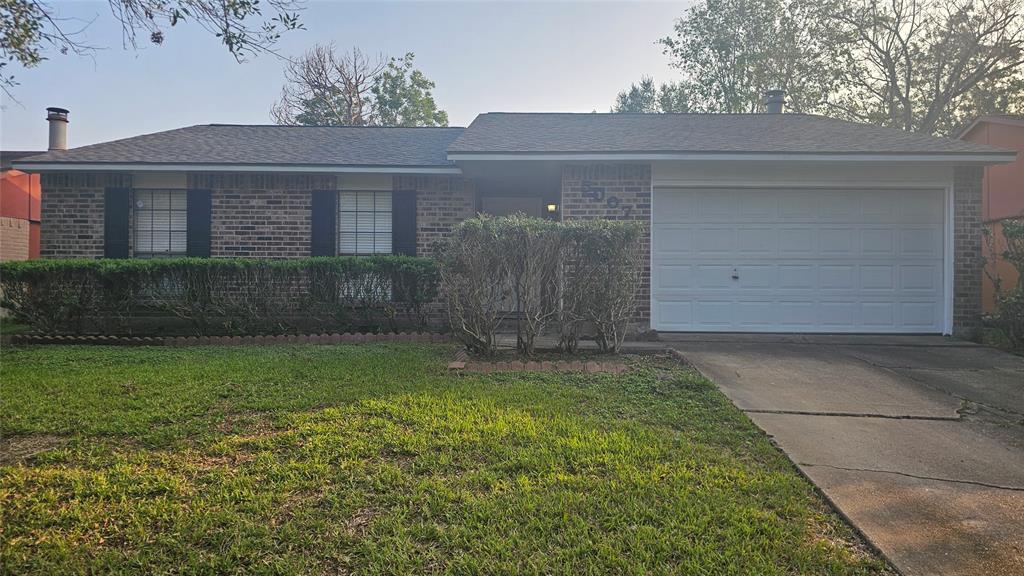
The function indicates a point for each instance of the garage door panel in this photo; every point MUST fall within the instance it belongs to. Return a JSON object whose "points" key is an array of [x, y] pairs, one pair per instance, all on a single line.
{"points": [[833, 277], [673, 240], [879, 242], [781, 260], [836, 241], [757, 240], [877, 277], [677, 207], [920, 242], [918, 278], [878, 315], [715, 240]]}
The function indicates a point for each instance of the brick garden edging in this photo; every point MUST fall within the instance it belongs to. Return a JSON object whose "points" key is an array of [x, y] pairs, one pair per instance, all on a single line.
{"points": [[347, 338], [588, 366]]}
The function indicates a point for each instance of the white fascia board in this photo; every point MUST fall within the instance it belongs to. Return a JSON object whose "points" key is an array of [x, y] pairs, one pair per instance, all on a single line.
{"points": [[952, 158], [102, 167]]}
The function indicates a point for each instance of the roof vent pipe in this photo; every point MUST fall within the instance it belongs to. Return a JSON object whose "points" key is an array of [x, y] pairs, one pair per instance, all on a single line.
{"points": [[774, 101], [58, 119]]}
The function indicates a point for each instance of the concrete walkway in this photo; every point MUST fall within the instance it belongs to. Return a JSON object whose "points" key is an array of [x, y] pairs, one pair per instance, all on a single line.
{"points": [[918, 441]]}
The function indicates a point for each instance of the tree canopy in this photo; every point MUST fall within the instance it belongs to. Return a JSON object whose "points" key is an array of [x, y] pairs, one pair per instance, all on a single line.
{"points": [[327, 88], [923, 65], [30, 29]]}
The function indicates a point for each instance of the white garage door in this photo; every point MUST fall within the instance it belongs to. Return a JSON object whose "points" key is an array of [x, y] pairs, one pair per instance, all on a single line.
{"points": [[773, 260]]}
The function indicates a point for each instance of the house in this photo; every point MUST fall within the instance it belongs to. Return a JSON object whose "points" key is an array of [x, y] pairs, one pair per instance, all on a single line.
{"points": [[1002, 197], [19, 209], [758, 222]]}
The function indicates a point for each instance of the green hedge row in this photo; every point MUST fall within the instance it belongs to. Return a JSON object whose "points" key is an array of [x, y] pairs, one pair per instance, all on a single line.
{"points": [[207, 296]]}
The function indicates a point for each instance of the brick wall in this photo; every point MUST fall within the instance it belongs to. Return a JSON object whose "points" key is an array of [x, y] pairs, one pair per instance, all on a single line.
{"points": [[967, 260], [72, 213], [14, 233], [261, 216], [613, 192], [441, 203]]}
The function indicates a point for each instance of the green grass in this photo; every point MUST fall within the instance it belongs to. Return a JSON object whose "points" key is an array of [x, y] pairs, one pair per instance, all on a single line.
{"points": [[374, 460]]}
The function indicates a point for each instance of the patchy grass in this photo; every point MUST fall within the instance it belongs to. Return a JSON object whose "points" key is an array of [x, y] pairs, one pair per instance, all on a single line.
{"points": [[374, 460]]}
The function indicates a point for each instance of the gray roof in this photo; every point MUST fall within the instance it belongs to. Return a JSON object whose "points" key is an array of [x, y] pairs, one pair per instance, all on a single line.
{"points": [[9, 156], [540, 133], [261, 145], [506, 133]]}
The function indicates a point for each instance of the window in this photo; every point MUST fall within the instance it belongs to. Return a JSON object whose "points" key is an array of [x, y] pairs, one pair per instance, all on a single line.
{"points": [[364, 222], [160, 223]]}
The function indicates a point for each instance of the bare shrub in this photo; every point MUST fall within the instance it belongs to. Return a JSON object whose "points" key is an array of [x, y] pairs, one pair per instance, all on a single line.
{"points": [[547, 276], [474, 280]]}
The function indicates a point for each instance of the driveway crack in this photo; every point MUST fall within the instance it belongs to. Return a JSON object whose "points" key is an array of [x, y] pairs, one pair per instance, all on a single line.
{"points": [[910, 372], [855, 415], [918, 477]]}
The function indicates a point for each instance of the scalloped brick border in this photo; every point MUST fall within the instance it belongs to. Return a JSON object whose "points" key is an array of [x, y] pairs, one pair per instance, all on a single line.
{"points": [[346, 338], [590, 367]]}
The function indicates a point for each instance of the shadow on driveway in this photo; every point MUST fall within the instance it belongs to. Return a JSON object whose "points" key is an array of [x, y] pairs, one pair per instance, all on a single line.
{"points": [[918, 441]]}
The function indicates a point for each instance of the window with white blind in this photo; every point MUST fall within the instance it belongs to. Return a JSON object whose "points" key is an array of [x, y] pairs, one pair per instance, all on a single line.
{"points": [[364, 222], [160, 223]]}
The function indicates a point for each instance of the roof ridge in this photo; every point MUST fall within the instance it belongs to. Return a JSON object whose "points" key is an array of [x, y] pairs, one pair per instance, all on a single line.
{"points": [[653, 114], [220, 124]]}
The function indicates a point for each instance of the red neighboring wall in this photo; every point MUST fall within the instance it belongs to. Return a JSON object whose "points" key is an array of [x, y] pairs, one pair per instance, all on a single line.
{"points": [[19, 215], [1002, 194]]}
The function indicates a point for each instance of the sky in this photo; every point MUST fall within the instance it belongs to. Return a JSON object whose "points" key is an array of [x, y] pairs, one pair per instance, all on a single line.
{"points": [[564, 56]]}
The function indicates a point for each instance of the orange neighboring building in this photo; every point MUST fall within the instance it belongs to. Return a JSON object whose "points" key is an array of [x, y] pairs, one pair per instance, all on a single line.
{"points": [[1002, 193], [19, 210]]}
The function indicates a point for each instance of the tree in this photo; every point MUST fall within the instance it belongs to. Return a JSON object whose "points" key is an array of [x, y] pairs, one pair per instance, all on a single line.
{"points": [[731, 51], [931, 65], [647, 98], [403, 96], [324, 88], [30, 28], [922, 65]]}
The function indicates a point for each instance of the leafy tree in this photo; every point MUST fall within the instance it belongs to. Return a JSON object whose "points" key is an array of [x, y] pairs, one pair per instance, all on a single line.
{"points": [[931, 65], [923, 65], [731, 51], [403, 96], [30, 28], [645, 97], [325, 88]]}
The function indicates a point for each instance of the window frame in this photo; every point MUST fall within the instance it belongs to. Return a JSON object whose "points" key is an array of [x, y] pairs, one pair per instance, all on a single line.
{"points": [[170, 210], [357, 232]]}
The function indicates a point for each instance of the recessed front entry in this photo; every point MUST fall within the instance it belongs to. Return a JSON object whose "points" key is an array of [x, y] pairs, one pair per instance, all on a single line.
{"points": [[794, 260]]}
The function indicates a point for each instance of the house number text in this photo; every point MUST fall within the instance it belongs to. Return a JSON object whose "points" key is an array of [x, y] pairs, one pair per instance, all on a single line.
{"points": [[597, 194]]}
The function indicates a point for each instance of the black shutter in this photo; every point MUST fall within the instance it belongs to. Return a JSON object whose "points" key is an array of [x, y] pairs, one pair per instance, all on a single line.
{"points": [[403, 223], [199, 219], [115, 222], [324, 221]]}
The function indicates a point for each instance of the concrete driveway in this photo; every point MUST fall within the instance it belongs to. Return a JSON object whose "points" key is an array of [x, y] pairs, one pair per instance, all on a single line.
{"points": [[918, 441]]}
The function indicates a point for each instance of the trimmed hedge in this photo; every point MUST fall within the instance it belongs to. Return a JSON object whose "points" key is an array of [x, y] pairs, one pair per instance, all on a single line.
{"points": [[209, 296]]}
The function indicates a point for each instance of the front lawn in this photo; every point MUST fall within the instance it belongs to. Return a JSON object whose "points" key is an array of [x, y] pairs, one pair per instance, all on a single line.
{"points": [[374, 460]]}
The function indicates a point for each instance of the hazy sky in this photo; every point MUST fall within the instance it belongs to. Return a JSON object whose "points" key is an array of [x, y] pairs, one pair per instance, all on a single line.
{"points": [[484, 56]]}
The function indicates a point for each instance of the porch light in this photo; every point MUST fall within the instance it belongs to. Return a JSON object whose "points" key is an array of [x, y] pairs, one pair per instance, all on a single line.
{"points": [[552, 208]]}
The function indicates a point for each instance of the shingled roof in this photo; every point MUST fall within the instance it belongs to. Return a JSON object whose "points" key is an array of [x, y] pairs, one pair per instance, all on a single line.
{"points": [[429, 149], [267, 145], [541, 133]]}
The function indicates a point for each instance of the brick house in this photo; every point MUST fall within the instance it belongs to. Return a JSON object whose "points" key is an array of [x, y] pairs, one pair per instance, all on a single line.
{"points": [[19, 209], [1002, 197], [758, 222]]}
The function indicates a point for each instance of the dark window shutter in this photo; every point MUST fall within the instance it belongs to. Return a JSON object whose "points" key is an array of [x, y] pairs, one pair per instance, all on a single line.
{"points": [[324, 221], [199, 223], [403, 223], [115, 222]]}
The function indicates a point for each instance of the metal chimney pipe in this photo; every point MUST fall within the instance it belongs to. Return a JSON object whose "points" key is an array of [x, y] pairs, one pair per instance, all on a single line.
{"points": [[774, 101], [58, 119]]}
